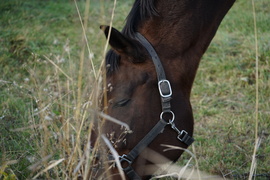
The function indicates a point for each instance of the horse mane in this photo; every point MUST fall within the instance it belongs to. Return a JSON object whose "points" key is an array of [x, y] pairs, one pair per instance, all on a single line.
{"points": [[140, 11]]}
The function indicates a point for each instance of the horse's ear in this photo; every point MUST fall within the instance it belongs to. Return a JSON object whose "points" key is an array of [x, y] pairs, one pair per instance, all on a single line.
{"points": [[123, 45]]}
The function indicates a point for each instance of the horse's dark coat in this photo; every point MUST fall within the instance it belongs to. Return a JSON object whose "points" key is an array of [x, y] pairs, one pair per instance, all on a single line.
{"points": [[140, 11], [180, 31]]}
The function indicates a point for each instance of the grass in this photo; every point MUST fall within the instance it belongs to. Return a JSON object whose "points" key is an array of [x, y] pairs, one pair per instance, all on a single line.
{"points": [[224, 95], [45, 115]]}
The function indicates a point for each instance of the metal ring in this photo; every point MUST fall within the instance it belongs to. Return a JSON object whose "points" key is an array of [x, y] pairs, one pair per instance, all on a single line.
{"points": [[123, 159], [168, 112]]}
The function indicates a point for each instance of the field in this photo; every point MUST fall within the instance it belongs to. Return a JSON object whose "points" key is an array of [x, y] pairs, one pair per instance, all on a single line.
{"points": [[49, 85]]}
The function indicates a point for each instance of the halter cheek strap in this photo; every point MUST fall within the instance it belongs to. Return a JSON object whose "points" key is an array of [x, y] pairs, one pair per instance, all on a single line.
{"points": [[164, 85], [165, 91]]}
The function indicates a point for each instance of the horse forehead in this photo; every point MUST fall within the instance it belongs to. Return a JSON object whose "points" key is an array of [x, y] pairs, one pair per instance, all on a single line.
{"points": [[130, 74]]}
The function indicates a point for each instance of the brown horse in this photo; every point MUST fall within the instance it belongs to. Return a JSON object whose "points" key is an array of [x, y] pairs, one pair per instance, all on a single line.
{"points": [[142, 94]]}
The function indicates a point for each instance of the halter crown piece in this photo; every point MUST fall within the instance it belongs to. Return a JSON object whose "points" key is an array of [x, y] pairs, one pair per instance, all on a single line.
{"points": [[165, 91]]}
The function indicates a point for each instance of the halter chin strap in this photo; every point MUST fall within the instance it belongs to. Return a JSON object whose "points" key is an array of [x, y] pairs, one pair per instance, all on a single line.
{"points": [[165, 91]]}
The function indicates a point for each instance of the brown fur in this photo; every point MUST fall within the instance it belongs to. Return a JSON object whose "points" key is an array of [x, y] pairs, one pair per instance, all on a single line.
{"points": [[180, 31]]}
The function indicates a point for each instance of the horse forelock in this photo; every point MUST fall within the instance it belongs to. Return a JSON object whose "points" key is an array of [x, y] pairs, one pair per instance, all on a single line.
{"points": [[140, 11]]}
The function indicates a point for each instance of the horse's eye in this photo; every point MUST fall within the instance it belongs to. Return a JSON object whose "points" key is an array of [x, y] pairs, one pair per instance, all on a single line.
{"points": [[122, 103]]}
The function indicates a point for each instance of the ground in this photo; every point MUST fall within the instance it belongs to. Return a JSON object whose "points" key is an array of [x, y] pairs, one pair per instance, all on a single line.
{"points": [[47, 86]]}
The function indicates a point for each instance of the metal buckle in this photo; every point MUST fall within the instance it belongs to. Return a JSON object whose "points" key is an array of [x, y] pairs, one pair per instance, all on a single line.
{"points": [[161, 90], [183, 133], [124, 158]]}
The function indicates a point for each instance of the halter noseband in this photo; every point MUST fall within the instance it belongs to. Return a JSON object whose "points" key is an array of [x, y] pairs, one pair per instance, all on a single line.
{"points": [[165, 91]]}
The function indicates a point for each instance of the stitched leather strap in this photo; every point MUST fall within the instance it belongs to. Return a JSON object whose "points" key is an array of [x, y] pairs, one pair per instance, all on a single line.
{"points": [[163, 84], [165, 94], [157, 129], [133, 154]]}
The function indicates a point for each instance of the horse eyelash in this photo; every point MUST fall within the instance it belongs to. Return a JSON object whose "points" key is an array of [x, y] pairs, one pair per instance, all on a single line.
{"points": [[122, 103]]}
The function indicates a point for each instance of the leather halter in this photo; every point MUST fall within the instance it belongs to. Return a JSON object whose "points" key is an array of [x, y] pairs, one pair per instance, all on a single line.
{"points": [[165, 91]]}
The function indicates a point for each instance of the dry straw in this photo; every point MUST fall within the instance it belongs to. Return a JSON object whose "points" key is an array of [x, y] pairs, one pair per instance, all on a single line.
{"points": [[257, 140], [73, 140]]}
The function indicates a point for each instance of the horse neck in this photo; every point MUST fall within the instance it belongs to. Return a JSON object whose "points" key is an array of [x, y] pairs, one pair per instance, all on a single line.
{"points": [[181, 34]]}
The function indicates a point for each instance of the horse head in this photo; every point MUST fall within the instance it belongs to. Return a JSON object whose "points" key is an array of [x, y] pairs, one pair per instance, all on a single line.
{"points": [[149, 75]]}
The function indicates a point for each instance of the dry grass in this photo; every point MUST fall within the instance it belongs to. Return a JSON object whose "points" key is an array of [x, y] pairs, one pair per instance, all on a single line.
{"points": [[56, 106]]}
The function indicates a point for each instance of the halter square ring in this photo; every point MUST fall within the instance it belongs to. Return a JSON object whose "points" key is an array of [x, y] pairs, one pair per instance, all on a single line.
{"points": [[164, 88], [123, 159]]}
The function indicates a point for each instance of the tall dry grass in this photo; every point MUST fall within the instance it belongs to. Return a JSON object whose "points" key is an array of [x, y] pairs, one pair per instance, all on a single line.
{"points": [[256, 119], [67, 108]]}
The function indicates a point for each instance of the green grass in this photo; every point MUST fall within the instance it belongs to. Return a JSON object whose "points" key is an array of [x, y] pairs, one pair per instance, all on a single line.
{"points": [[39, 114], [224, 96]]}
